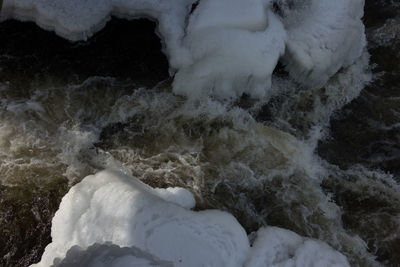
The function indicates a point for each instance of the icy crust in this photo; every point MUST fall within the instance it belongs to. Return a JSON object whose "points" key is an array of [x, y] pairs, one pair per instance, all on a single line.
{"points": [[111, 219], [225, 47]]}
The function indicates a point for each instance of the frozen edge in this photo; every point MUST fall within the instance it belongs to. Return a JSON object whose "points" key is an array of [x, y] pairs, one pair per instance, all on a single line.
{"points": [[86, 21], [32, 15]]}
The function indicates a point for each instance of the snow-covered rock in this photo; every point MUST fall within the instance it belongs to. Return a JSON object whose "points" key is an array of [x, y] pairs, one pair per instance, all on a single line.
{"points": [[279, 247], [227, 47], [111, 219], [113, 207], [323, 36]]}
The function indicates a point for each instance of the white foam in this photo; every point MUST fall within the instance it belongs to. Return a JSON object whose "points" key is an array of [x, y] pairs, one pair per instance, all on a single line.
{"points": [[224, 48]]}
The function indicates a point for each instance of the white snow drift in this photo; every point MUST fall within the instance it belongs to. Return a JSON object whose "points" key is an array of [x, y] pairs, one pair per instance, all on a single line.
{"points": [[223, 47], [111, 219]]}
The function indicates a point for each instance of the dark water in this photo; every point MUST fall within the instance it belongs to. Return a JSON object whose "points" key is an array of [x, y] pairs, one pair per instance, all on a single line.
{"points": [[129, 52], [47, 148], [367, 132]]}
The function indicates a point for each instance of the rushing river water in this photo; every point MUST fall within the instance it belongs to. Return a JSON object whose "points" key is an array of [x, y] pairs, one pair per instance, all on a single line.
{"points": [[316, 162]]}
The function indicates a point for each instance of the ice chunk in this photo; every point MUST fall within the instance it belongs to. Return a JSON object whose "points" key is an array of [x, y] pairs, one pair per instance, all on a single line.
{"points": [[113, 207], [279, 247], [323, 36], [229, 61]]}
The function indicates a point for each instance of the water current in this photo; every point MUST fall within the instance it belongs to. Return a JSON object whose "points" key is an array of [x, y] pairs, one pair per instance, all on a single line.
{"points": [[324, 163]]}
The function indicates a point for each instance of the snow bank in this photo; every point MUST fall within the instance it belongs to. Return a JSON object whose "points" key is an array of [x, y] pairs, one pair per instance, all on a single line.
{"points": [[226, 47], [111, 219]]}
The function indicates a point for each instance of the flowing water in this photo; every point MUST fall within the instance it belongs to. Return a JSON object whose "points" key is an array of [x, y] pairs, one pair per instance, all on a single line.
{"points": [[316, 161]]}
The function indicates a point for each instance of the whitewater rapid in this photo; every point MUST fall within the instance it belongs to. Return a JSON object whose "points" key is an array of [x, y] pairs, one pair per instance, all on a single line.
{"points": [[219, 160]]}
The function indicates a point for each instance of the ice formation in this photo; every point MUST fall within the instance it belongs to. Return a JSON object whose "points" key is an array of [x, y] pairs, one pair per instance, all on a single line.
{"points": [[226, 47], [279, 247], [323, 36], [111, 219], [233, 55], [112, 207]]}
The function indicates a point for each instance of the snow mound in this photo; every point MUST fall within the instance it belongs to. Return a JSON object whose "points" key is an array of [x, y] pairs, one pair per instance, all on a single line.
{"points": [[323, 36], [113, 207], [279, 247], [227, 47], [233, 58], [111, 219]]}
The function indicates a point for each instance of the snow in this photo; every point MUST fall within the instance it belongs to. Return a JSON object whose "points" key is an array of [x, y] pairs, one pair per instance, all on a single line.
{"points": [[323, 36], [109, 255], [238, 14], [228, 61], [177, 195], [279, 247], [78, 20], [112, 219], [223, 48], [113, 207]]}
